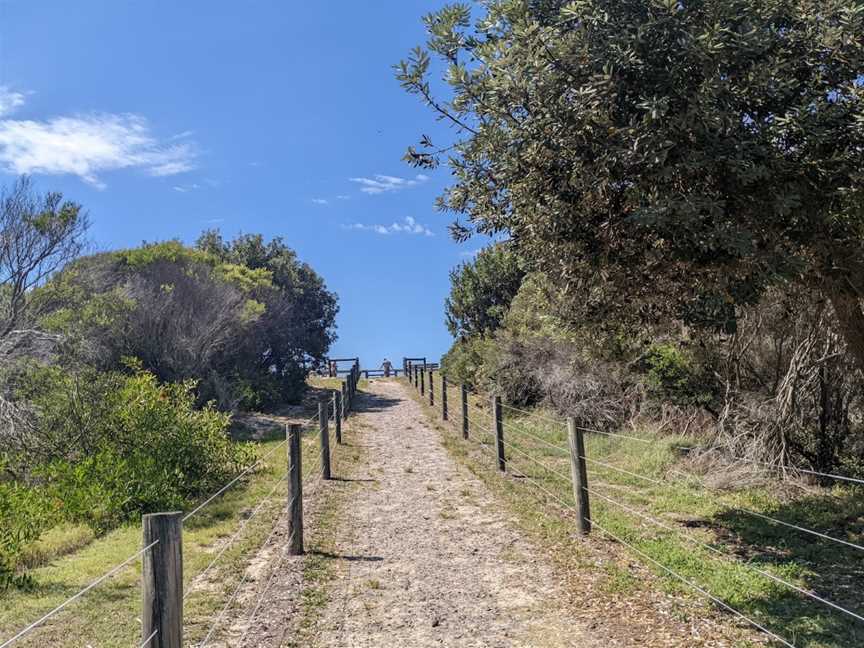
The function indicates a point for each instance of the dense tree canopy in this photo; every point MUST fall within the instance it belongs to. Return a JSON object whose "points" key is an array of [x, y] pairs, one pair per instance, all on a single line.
{"points": [[298, 327], [481, 291], [244, 318], [671, 158]]}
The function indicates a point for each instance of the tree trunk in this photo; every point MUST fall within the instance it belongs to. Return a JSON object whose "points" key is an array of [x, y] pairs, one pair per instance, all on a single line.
{"points": [[850, 318]]}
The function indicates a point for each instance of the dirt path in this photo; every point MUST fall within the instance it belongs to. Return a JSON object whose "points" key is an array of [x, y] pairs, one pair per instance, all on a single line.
{"points": [[425, 556]]}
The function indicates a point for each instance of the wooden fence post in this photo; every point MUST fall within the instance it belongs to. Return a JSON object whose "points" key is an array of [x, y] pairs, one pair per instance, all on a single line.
{"points": [[423, 381], [464, 411], [409, 372], [344, 401], [416, 377], [499, 432], [444, 397], [324, 434], [295, 490], [431, 389], [579, 475], [162, 580], [337, 415]]}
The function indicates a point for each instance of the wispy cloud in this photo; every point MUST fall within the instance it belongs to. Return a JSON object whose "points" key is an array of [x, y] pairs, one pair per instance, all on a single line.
{"points": [[379, 184], [10, 100], [87, 145], [408, 226], [188, 187], [343, 197], [320, 201]]}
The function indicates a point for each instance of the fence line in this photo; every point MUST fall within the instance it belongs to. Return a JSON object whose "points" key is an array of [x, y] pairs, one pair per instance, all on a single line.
{"points": [[525, 436], [670, 571], [149, 639], [236, 591], [265, 500], [725, 554], [696, 587], [734, 506], [249, 469], [851, 480]]}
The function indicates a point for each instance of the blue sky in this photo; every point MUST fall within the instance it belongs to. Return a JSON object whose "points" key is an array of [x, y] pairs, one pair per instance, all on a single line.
{"points": [[165, 118]]}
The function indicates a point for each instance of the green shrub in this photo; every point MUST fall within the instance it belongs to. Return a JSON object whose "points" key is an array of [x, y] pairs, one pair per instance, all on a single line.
{"points": [[24, 514], [467, 361], [161, 454], [674, 376], [124, 445]]}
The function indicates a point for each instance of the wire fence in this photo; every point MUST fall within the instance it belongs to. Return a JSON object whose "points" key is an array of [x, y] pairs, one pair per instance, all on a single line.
{"points": [[312, 476], [534, 454]]}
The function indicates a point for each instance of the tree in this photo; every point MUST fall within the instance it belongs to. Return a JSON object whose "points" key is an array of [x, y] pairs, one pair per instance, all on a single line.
{"points": [[301, 313], [481, 291], [672, 158], [38, 235]]}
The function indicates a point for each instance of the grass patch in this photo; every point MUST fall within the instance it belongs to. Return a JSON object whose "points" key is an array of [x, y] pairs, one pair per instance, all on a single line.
{"points": [[537, 451], [109, 615]]}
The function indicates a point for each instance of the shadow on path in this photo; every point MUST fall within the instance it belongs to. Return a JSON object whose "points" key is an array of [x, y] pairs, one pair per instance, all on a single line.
{"points": [[327, 554], [367, 402]]}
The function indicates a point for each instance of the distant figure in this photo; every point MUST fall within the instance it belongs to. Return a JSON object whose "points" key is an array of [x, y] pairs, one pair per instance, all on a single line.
{"points": [[332, 369], [386, 365]]}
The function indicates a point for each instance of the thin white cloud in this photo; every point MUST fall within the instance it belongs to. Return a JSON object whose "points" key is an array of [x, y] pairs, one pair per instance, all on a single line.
{"points": [[87, 145], [320, 201], [343, 197], [379, 183], [408, 226], [10, 100], [188, 187]]}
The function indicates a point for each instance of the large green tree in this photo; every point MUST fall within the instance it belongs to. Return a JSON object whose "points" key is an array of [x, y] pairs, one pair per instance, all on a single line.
{"points": [[299, 325], [671, 157], [481, 291]]}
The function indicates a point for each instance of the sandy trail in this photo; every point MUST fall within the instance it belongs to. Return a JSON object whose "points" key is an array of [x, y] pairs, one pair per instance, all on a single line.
{"points": [[426, 556]]}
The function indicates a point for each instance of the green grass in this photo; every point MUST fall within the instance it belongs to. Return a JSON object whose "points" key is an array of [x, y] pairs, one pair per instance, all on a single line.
{"points": [[681, 502], [109, 615]]}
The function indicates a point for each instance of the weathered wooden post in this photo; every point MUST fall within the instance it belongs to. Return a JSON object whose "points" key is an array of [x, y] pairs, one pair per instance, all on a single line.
{"points": [[162, 580], [409, 372], [337, 415], [579, 475], [295, 490], [423, 381], [417, 377], [344, 400], [431, 389], [464, 391], [324, 434], [444, 397], [499, 432]]}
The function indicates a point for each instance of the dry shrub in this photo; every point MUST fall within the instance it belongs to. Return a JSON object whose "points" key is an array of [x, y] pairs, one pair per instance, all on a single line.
{"points": [[793, 394], [597, 394]]}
